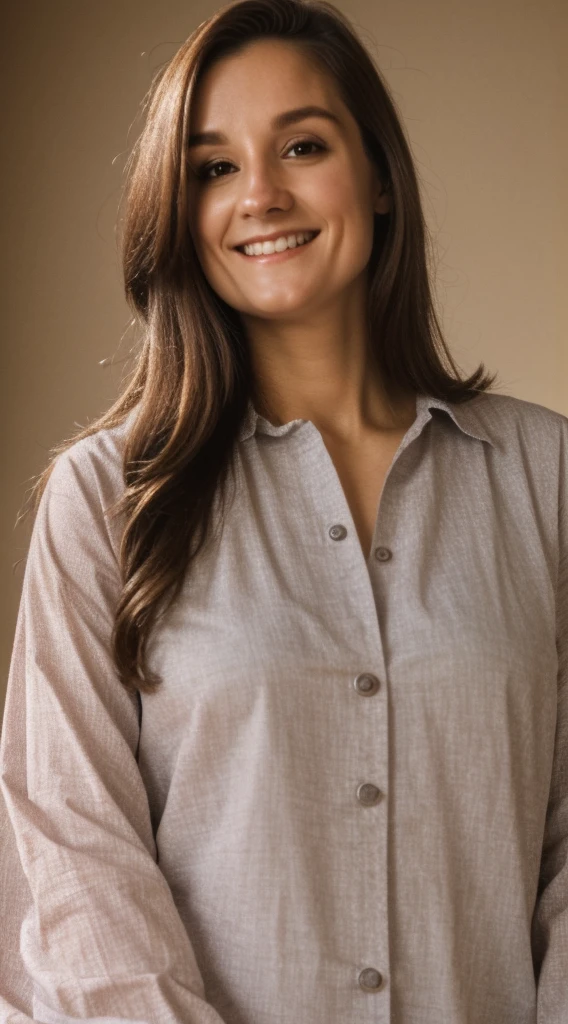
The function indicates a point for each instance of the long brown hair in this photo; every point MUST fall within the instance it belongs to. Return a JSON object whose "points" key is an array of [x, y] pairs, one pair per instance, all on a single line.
{"points": [[193, 379]]}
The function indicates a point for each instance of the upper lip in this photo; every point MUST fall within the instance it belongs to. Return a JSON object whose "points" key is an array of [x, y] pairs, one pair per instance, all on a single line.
{"points": [[276, 234]]}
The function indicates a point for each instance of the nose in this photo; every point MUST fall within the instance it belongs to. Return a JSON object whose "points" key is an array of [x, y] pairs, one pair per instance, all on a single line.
{"points": [[263, 190]]}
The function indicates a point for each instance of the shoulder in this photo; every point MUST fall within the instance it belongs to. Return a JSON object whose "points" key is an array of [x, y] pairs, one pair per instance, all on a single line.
{"points": [[514, 424], [95, 460], [529, 446], [93, 466], [85, 483], [507, 412]]}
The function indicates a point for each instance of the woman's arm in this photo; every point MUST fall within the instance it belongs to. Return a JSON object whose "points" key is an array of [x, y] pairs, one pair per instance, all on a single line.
{"points": [[550, 922], [104, 939]]}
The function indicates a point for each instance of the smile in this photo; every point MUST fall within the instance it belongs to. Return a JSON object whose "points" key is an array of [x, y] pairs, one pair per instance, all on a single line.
{"points": [[277, 249]]}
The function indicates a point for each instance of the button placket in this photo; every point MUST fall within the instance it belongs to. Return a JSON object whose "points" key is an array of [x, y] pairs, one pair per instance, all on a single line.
{"points": [[372, 743], [366, 684]]}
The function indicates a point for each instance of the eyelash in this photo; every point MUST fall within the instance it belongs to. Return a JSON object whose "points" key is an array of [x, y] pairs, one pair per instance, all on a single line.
{"points": [[203, 172]]}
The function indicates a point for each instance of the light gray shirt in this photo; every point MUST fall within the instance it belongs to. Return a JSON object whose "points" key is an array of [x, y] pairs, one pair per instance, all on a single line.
{"points": [[348, 801]]}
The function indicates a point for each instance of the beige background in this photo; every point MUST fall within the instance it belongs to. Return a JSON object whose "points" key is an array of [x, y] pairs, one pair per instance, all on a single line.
{"points": [[483, 93]]}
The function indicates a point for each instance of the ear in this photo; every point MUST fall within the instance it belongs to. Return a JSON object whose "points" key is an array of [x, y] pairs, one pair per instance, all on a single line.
{"points": [[382, 199]]}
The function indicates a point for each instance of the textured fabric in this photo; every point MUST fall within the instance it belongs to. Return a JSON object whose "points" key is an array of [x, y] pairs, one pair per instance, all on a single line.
{"points": [[348, 801]]}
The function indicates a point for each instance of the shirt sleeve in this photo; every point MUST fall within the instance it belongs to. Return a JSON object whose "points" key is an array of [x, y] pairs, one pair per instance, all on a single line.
{"points": [[550, 922], [103, 940]]}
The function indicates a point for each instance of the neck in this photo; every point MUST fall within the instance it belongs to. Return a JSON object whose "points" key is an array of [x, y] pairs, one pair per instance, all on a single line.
{"points": [[330, 379]]}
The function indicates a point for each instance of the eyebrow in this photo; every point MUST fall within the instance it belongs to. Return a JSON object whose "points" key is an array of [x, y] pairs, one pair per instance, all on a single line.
{"points": [[288, 117]]}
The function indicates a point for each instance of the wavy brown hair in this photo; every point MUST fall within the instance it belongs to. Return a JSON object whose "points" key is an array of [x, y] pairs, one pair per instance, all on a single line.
{"points": [[193, 379]]}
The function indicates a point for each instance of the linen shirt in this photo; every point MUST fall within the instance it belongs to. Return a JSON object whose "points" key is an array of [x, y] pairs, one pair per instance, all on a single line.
{"points": [[347, 803]]}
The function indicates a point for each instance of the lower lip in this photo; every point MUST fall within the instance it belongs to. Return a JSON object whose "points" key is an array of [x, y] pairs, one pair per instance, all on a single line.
{"points": [[277, 257]]}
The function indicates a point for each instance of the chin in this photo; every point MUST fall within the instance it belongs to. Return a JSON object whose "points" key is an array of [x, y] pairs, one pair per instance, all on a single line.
{"points": [[276, 307], [280, 313]]}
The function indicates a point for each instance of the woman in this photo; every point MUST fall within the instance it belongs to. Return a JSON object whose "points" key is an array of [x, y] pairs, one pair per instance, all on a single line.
{"points": [[286, 729]]}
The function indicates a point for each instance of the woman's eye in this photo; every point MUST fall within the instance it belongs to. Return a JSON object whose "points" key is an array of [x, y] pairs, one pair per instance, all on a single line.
{"points": [[205, 172], [307, 142]]}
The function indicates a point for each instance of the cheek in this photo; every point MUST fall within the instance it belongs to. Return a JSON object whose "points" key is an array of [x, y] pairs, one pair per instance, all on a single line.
{"points": [[206, 220], [342, 195], [325, 192], [205, 225]]}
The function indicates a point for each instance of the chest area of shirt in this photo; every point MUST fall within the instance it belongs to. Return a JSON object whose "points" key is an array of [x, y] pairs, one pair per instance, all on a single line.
{"points": [[462, 566], [278, 618]]}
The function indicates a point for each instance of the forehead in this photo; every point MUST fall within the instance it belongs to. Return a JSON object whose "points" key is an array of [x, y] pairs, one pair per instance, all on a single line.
{"points": [[264, 78]]}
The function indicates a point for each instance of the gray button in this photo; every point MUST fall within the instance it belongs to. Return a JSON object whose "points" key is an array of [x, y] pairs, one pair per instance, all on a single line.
{"points": [[370, 980], [383, 554], [366, 684], [368, 794], [337, 532]]}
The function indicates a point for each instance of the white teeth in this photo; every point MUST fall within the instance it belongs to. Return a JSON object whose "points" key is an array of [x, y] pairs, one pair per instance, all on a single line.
{"points": [[278, 244]]}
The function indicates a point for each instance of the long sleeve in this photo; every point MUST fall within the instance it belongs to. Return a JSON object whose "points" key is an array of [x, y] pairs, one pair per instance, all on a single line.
{"points": [[550, 924], [103, 939]]}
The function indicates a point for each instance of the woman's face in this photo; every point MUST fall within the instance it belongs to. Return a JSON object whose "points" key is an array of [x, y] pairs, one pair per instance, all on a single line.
{"points": [[261, 177]]}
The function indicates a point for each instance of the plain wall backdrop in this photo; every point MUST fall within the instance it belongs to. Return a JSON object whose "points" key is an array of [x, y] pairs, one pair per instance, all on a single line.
{"points": [[483, 93]]}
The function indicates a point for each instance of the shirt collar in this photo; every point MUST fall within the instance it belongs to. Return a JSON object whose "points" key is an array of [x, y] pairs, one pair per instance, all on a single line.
{"points": [[469, 416]]}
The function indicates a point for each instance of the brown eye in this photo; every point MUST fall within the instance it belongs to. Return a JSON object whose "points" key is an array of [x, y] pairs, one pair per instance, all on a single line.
{"points": [[204, 171], [306, 142]]}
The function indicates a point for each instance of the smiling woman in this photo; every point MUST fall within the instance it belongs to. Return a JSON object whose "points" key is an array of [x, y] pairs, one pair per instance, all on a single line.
{"points": [[298, 757], [226, 99]]}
